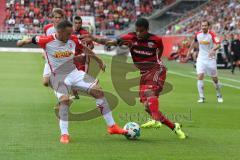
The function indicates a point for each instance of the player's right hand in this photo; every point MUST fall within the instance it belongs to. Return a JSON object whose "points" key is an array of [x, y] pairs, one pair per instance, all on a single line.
{"points": [[102, 66], [186, 58], [86, 39], [20, 43]]}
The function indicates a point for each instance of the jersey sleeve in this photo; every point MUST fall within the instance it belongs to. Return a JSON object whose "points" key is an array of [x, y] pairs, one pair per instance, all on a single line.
{"points": [[90, 43], [79, 45], [42, 41], [46, 27], [84, 32], [215, 39], [125, 39]]}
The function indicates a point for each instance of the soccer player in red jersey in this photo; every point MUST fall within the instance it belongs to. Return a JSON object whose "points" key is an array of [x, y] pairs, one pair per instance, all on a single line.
{"points": [[79, 31], [83, 65], [60, 49], [146, 51]]}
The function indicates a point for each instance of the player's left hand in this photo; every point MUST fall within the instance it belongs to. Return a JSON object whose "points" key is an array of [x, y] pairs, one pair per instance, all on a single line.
{"points": [[211, 55], [185, 59], [20, 43]]}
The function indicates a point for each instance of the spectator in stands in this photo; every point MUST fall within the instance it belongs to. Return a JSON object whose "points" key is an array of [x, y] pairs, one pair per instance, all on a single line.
{"points": [[224, 13], [109, 14]]}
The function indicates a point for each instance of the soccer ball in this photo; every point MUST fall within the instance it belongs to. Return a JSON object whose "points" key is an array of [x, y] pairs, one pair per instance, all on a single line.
{"points": [[133, 130]]}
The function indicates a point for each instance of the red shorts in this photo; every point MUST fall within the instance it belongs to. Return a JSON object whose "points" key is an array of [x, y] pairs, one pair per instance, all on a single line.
{"points": [[152, 80]]}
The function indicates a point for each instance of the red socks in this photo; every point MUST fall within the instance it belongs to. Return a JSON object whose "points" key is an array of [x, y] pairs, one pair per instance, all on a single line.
{"points": [[156, 114]]}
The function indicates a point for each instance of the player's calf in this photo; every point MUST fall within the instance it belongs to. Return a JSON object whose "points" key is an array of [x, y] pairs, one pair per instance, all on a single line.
{"points": [[63, 118], [96, 91], [46, 81], [105, 110]]}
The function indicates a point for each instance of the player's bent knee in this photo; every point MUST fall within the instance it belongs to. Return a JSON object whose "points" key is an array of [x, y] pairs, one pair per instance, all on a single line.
{"points": [[200, 76], [96, 91], [65, 100]]}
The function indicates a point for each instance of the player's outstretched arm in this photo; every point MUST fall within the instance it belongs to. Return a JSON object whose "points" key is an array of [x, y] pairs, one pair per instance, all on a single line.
{"points": [[23, 42], [103, 41]]}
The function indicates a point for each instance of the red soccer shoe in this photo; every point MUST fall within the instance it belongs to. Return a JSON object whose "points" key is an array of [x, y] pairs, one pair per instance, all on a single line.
{"points": [[64, 139], [115, 129]]}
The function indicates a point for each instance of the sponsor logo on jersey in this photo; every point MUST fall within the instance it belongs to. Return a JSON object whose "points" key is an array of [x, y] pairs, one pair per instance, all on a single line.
{"points": [[142, 52], [204, 42], [62, 54]]}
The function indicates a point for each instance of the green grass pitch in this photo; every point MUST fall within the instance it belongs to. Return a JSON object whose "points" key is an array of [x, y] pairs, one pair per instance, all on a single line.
{"points": [[29, 129]]}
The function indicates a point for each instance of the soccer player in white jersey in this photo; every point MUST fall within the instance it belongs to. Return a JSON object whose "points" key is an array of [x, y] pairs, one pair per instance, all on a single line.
{"points": [[57, 16], [208, 43], [60, 49]]}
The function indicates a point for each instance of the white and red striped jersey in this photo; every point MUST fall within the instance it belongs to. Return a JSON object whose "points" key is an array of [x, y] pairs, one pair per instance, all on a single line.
{"points": [[49, 29], [59, 55], [206, 42]]}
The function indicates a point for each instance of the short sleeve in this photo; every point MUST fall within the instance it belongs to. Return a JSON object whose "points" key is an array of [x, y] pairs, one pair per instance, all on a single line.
{"points": [[41, 41], [215, 39]]}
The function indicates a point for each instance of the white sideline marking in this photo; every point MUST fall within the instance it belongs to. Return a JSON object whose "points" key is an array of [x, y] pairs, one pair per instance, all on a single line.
{"points": [[193, 77], [229, 79], [97, 50]]}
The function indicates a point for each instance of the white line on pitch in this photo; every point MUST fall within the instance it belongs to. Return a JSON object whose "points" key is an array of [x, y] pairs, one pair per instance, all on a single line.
{"points": [[193, 77], [229, 79]]}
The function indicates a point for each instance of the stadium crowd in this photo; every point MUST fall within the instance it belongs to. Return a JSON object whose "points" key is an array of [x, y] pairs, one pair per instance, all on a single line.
{"points": [[224, 15], [31, 15]]}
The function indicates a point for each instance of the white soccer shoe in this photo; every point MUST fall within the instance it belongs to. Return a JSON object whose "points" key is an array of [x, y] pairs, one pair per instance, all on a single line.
{"points": [[220, 99], [201, 100]]}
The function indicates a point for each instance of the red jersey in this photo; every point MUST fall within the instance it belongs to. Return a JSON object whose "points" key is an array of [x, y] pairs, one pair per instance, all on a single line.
{"points": [[145, 52], [85, 63], [82, 31]]}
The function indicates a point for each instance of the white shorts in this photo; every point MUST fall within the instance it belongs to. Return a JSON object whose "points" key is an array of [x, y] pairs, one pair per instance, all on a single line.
{"points": [[208, 67], [46, 70], [79, 80]]}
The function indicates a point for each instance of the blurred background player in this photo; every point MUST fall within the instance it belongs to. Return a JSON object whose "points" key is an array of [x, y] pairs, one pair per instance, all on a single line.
{"points": [[208, 43], [79, 31], [57, 16], [60, 51], [83, 65], [226, 48], [146, 51], [235, 52]]}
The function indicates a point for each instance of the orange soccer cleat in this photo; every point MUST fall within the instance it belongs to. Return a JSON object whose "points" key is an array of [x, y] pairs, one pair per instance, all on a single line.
{"points": [[65, 139], [115, 129]]}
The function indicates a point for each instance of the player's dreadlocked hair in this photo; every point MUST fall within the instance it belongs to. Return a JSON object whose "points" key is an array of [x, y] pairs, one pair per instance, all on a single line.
{"points": [[142, 22], [64, 24]]}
